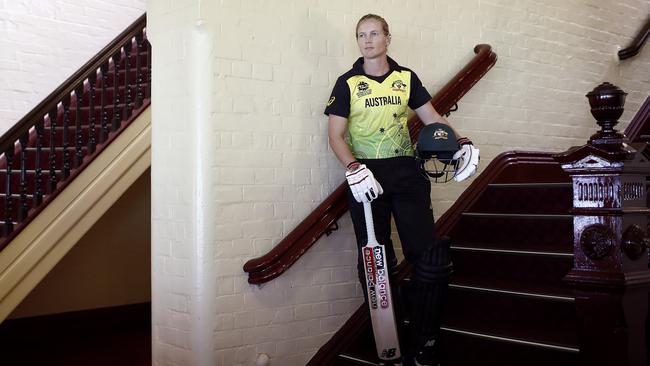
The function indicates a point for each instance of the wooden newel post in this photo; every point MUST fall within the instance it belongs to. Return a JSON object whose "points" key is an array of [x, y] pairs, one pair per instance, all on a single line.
{"points": [[610, 275]]}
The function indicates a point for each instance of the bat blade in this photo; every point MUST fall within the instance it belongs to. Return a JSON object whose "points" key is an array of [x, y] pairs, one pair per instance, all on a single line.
{"points": [[380, 300]]}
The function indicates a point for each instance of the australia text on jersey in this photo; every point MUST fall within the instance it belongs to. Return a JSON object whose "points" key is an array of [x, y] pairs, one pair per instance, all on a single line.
{"points": [[380, 101]]}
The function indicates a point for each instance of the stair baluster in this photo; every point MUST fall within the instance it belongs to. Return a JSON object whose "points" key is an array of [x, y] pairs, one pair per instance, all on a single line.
{"points": [[138, 70], [8, 226], [92, 80], [147, 93], [38, 189], [24, 207], [127, 71], [103, 135], [78, 137], [66, 143], [116, 90], [51, 186]]}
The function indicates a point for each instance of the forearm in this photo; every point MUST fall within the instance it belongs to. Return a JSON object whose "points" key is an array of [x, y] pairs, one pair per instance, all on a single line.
{"points": [[337, 126], [341, 150]]}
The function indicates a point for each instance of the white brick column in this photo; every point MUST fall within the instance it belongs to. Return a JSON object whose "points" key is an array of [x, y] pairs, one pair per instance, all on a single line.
{"points": [[183, 238], [202, 243]]}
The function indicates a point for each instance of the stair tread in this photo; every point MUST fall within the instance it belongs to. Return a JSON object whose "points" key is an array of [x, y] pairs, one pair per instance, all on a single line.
{"points": [[554, 216], [532, 185], [541, 320], [487, 350], [539, 250], [561, 293], [515, 234], [567, 347], [361, 351]]}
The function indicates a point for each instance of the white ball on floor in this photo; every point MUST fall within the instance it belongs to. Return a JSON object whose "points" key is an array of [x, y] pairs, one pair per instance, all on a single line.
{"points": [[262, 360]]}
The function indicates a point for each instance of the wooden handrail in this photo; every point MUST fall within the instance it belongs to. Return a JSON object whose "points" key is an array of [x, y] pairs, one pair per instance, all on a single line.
{"points": [[639, 127], [637, 43], [47, 132], [287, 252], [68, 86]]}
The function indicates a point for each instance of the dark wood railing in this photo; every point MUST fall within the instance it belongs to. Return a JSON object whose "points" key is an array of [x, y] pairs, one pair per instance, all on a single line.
{"points": [[52, 144], [320, 221], [639, 128], [637, 43]]}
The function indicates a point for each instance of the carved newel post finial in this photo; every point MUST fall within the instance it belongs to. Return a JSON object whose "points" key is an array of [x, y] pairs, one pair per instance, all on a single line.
{"points": [[610, 276], [606, 101]]}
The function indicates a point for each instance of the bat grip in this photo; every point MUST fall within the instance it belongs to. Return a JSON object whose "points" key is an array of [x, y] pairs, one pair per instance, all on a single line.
{"points": [[370, 226]]}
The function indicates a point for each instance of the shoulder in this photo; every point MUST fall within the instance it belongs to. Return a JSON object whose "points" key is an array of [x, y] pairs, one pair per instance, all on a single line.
{"points": [[402, 69], [348, 75]]}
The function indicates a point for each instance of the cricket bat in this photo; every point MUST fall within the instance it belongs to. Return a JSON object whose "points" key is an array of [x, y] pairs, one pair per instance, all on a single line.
{"points": [[380, 301]]}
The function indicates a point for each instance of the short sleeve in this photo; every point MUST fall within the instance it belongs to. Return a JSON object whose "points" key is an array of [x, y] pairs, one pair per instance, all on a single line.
{"points": [[419, 95], [339, 102]]}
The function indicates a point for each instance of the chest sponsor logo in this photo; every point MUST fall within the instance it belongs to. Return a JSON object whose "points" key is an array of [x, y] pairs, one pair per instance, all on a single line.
{"points": [[363, 89], [398, 85]]}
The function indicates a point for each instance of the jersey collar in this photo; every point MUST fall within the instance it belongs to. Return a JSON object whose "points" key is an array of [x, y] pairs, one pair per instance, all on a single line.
{"points": [[358, 66]]}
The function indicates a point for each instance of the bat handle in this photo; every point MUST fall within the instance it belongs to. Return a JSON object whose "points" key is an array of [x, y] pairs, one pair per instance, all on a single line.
{"points": [[370, 226]]}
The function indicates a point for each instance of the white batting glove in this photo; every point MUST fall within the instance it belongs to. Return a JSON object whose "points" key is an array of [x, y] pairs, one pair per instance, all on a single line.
{"points": [[363, 184], [469, 158]]}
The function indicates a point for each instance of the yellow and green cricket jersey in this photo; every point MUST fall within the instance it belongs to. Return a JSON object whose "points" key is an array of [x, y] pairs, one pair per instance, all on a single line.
{"points": [[377, 108]]}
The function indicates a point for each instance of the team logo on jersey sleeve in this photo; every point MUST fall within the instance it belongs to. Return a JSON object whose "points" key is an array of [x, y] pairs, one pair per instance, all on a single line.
{"points": [[398, 85], [363, 88], [332, 99]]}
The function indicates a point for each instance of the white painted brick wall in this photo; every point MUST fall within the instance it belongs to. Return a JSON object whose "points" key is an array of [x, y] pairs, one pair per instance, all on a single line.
{"points": [[275, 64], [45, 41]]}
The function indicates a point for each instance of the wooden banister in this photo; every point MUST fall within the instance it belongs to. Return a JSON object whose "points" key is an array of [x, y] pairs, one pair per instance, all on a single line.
{"points": [[637, 43], [68, 86], [639, 128], [287, 252], [56, 140]]}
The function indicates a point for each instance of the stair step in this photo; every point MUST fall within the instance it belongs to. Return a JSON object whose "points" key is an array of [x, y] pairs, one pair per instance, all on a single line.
{"points": [[518, 216], [543, 172], [490, 286], [463, 348], [511, 270], [361, 351], [552, 234], [503, 346], [525, 198], [538, 320]]}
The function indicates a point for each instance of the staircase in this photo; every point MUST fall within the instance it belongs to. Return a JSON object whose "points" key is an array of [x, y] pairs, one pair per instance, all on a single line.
{"points": [[510, 251], [65, 163], [511, 248], [508, 303]]}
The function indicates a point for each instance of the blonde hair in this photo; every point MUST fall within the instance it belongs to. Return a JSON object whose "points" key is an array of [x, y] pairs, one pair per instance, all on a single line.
{"points": [[382, 21]]}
